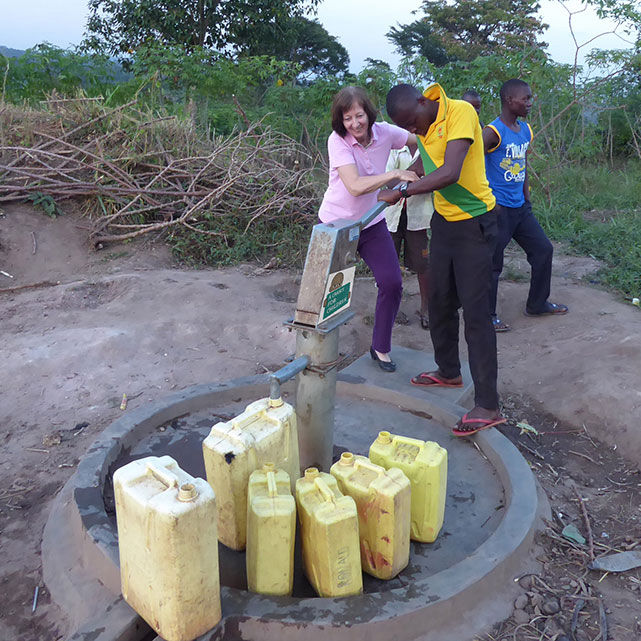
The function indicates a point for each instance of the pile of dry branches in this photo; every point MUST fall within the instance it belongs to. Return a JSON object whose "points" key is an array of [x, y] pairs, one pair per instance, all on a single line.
{"points": [[142, 173]]}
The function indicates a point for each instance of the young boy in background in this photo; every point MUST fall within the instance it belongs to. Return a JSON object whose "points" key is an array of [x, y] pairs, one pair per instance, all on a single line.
{"points": [[474, 98], [506, 141], [407, 222]]}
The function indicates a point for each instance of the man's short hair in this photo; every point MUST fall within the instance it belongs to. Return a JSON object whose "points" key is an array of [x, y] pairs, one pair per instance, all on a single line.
{"points": [[343, 100], [471, 93], [400, 97], [510, 87]]}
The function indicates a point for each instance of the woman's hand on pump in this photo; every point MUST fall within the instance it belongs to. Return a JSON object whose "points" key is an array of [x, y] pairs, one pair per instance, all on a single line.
{"points": [[405, 175], [358, 185], [393, 195]]}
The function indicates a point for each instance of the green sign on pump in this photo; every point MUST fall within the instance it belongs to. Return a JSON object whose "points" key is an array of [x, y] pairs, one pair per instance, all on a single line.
{"points": [[338, 293], [336, 300]]}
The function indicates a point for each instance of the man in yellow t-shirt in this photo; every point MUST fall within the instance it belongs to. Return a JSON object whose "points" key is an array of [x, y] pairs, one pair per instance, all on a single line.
{"points": [[464, 230]]}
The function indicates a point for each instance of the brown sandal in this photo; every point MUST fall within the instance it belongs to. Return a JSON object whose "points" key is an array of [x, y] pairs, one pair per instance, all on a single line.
{"points": [[431, 379]]}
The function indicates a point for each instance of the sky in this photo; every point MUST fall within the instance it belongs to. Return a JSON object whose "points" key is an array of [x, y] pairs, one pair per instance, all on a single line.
{"points": [[359, 25]]}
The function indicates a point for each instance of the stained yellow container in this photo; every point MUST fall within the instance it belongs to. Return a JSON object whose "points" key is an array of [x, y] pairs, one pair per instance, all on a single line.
{"points": [[383, 503], [425, 465], [168, 547], [329, 535], [271, 532], [265, 432]]}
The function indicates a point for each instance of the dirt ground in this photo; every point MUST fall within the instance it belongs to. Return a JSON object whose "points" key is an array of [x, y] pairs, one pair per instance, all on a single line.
{"points": [[127, 320]]}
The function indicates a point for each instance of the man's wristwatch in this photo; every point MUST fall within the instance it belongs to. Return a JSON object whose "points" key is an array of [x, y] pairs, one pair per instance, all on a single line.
{"points": [[403, 189]]}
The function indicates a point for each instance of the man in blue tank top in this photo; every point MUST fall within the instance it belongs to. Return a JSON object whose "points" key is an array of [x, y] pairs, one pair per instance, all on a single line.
{"points": [[506, 141]]}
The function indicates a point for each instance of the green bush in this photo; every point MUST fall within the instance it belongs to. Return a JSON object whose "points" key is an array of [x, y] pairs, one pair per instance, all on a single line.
{"points": [[45, 69]]}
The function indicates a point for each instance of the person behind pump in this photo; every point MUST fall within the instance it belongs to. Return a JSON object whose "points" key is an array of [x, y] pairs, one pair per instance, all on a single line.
{"points": [[474, 98], [408, 221], [358, 149], [507, 142], [462, 242]]}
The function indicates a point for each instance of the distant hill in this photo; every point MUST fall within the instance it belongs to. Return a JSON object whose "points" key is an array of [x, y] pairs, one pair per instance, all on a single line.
{"points": [[7, 52]]}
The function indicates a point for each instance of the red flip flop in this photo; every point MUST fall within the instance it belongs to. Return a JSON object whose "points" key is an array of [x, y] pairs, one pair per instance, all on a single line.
{"points": [[425, 379], [482, 423]]}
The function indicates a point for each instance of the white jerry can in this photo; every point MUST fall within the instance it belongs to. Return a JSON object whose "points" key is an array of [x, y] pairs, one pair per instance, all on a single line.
{"points": [[168, 547], [264, 433]]}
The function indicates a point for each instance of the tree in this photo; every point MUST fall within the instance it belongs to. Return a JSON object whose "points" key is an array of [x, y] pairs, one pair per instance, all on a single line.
{"points": [[417, 39], [465, 29], [377, 77], [298, 40], [119, 27]]}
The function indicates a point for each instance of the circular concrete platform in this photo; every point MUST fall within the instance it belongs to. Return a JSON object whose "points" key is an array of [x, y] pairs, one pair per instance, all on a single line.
{"points": [[451, 588]]}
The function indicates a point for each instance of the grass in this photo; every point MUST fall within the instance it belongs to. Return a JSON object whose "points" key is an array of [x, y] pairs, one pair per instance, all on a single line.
{"points": [[596, 211], [278, 239]]}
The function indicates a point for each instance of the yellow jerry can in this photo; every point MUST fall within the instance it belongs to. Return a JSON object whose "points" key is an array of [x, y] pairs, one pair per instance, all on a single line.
{"points": [[168, 547], [271, 532], [425, 465], [265, 432], [383, 503], [329, 535]]}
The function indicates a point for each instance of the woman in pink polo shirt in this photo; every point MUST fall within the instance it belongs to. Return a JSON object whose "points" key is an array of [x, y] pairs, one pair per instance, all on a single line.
{"points": [[358, 151]]}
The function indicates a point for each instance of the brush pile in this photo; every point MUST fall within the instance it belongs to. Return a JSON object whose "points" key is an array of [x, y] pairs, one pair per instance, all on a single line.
{"points": [[137, 173]]}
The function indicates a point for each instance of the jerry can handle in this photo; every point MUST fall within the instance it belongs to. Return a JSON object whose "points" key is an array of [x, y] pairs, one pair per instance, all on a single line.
{"points": [[368, 465], [323, 488], [272, 488], [240, 422], [236, 433], [163, 475]]}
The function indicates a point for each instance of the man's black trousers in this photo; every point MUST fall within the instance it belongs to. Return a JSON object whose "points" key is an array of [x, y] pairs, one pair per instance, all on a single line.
{"points": [[520, 223], [461, 276]]}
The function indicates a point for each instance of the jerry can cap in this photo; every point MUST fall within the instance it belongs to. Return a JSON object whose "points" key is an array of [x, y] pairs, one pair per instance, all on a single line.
{"points": [[187, 492], [384, 437], [347, 458]]}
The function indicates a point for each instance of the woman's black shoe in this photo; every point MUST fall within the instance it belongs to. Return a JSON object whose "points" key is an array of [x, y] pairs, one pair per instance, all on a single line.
{"points": [[386, 366]]}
